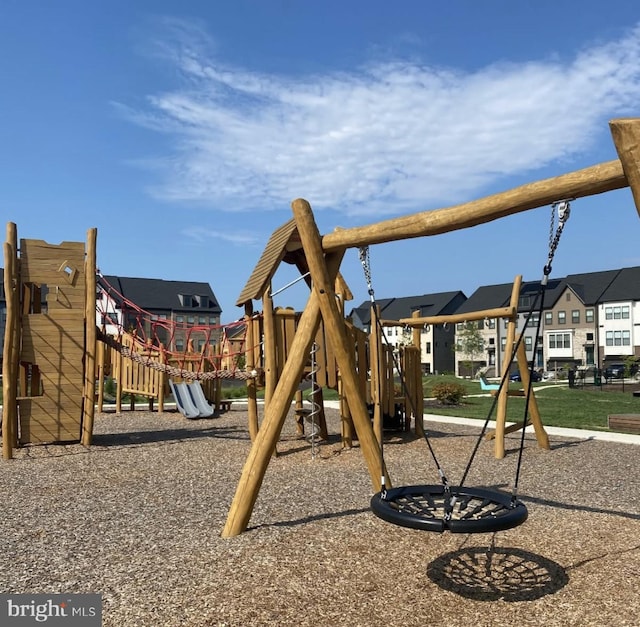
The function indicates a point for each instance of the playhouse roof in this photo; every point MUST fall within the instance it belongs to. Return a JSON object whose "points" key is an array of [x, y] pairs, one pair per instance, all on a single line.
{"points": [[283, 245]]}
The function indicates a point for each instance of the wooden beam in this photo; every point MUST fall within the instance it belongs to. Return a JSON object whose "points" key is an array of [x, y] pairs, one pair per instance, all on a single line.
{"points": [[335, 330], [90, 341], [501, 412], [626, 137], [275, 414], [9, 379], [500, 312], [596, 179]]}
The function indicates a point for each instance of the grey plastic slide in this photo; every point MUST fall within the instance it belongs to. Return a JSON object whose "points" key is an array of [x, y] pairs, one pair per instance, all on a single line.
{"points": [[199, 400], [184, 401]]}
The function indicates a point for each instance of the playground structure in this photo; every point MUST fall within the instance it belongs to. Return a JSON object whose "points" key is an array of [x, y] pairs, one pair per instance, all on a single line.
{"points": [[324, 254], [55, 358]]}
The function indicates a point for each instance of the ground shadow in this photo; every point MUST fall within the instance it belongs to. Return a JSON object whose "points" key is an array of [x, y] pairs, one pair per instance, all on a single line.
{"points": [[308, 519], [492, 574], [166, 436]]}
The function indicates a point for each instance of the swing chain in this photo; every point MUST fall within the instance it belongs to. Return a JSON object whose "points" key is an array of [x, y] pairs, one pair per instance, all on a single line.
{"points": [[555, 232], [363, 253]]}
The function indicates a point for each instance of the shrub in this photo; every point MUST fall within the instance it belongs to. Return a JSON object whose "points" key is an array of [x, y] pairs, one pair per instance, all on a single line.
{"points": [[448, 393]]}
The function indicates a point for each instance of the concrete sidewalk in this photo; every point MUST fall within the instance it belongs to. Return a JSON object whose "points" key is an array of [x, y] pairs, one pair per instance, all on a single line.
{"points": [[578, 434]]}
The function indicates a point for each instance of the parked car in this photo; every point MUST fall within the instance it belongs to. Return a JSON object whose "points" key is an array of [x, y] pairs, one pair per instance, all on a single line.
{"points": [[614, 371], [535, 376]]}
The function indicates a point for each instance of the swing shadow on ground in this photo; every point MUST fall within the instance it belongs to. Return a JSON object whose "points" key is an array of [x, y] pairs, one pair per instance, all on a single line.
{"points": [[493, 574]]}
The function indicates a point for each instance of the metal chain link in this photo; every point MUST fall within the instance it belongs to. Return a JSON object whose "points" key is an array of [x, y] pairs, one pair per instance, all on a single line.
{"points": [[563, 208], [363, 253]]}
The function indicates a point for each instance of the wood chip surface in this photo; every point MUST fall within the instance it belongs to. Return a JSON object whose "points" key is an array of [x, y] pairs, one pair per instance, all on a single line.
{"points": [[137, 517]]}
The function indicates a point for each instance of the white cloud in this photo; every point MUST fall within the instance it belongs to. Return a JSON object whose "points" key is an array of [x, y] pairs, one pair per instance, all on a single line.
{"points": [[201, 234], [388, 138]]}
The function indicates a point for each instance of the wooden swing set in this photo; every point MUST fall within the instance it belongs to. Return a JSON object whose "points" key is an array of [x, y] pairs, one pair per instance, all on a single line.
{"points": [[324, 254]]}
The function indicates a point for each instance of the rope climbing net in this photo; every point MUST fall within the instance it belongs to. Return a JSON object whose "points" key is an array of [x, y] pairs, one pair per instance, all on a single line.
{"points": [[168, 345]]}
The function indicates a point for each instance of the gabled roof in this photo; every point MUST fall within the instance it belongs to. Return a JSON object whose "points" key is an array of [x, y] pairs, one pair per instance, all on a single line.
{"points": [[283, 245], [590, 286], [625, 286], [158, 294], [487, 297], [397, 308], [284, 237], [494, 296]]}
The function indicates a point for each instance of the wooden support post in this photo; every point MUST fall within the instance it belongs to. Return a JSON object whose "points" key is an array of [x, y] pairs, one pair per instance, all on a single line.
{"points": [[416, 341], [101, 350], [534, 413], [275, 414], [270, 350], [250, 364], [89, 404], [9, 354], [336, 331], [501, 412], [375, 364]]}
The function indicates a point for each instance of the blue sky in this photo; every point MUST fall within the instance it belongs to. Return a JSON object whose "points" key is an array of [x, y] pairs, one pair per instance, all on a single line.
{"points": [[183, 131]]}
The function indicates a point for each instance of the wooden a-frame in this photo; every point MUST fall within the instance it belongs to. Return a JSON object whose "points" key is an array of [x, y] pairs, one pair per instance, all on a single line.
{"points": [[324, 255]]}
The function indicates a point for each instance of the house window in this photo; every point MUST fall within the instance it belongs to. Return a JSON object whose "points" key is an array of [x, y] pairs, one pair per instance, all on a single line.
{"points": [[588, 315], [568, 296], [562, 317], [179, 346], [534, 320], [191, 319], [202, 319], [625, 312], [528, 342], [618, 338], [548, 317], [179, 318], [492, 341], [575, 316], [503, 343], [559, 340], [589, 337], [491, 323], [427, 348]]}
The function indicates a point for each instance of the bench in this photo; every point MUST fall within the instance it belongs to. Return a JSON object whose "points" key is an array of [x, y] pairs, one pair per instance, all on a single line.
{"points": [[225, 404], [628, 423]]}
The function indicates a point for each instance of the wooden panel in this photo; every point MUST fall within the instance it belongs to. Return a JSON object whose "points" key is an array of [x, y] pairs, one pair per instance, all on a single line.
{"points": [[44, 420], [41, 262], [54, 342]]}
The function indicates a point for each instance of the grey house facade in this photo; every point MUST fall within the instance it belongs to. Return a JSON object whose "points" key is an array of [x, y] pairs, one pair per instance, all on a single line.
{"points": [[436, 341], [181, 312]]}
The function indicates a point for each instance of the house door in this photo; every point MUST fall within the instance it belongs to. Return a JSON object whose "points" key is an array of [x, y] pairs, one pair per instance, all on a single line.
{"points": [[590, 355]]}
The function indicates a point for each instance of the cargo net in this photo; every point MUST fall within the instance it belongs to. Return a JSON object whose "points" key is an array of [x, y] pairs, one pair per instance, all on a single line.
{"points": [[186, 350]]}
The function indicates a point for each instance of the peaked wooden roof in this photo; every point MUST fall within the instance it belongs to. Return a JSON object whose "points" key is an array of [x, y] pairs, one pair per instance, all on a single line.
{"points": [[283, 245]]}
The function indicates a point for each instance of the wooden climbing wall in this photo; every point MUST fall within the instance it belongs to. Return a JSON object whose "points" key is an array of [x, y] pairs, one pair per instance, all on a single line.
{"points": [[50, 398]]}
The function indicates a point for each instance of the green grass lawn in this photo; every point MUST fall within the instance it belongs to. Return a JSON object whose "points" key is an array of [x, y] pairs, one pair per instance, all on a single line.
{"points": [[559, 405]]}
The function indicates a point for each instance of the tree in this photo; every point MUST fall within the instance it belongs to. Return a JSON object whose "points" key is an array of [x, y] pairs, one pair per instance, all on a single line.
{"points": [[469, 343]]}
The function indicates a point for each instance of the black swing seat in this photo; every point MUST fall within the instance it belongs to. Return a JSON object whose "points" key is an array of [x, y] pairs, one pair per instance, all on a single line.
{"points": [[424, 507]]}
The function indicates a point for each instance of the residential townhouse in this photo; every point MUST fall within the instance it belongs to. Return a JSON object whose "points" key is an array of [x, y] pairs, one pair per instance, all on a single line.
{"points": [[178, 314], [436, 341], [494, 331], [589, 320]]}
